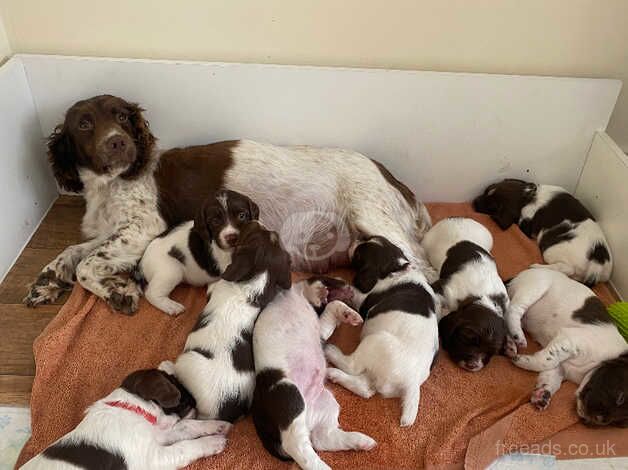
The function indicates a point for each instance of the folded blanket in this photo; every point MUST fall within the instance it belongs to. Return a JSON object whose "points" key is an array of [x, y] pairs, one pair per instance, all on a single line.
{"points": [[87, 350]]}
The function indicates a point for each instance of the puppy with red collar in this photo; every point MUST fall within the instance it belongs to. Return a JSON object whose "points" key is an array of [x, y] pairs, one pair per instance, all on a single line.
{"points": [[145, 423], [472, 327], [195, 252]]}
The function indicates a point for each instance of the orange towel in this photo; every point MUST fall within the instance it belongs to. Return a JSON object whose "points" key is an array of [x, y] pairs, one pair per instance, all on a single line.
{"points": [[87, 350]]}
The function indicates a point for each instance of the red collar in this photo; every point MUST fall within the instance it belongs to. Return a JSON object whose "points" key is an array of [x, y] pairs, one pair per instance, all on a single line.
{"points": [[152, 419]]}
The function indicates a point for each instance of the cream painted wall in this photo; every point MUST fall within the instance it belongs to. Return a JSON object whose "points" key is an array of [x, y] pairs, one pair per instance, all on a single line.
{"points": [[5, 50], [581, 38]]}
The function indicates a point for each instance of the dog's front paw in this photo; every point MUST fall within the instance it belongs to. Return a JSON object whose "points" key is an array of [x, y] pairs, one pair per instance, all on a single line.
{"points": [[317, 294], [520, 340], [510, 347], [124, 301], [212, 444], [541, 398], [46, 289]]}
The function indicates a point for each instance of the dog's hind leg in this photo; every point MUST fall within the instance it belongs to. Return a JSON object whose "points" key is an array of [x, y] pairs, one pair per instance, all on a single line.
{"points": [[410, 399], [547, 384], [358, 384], [295, 440]]}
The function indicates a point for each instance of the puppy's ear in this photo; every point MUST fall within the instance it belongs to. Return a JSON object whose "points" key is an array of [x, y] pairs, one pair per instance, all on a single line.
{"points": [[365, 279], [63, 158], [153, 385], [446, 327], [254, 210], [242, 265], [285, 279], [200, 224], [506, 216]]}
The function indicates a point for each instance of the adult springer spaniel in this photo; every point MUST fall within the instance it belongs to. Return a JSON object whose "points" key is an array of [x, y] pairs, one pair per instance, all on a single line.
{"points": [[318, 200]]}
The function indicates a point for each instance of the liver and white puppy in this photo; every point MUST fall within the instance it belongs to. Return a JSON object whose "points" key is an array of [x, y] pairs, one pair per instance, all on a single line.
{"points": [[317, 199], [143, 424], [195, 252], [399, 340], [292, 410], [570, 239], [580, 343], [216, 365], [474, 298]]}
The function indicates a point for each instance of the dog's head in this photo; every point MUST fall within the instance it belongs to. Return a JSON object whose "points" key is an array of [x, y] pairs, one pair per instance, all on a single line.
{"points": [[603, 399], [260, 251], [503, 201], [472, 335], [373, 259], [161, 388], [223, 216], [104, 134]]}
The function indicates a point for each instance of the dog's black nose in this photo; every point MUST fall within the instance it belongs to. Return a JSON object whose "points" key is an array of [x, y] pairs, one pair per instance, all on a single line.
{"points": [[116, 144], [231, 239]]}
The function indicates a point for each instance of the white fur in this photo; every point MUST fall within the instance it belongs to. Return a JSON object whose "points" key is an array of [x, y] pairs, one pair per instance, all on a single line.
{"points": [[169, 444], [543, 302], [395, 352], [288, 336], [163, 272], [229, 311], [479, 279], [570, 257], [315, 198]]}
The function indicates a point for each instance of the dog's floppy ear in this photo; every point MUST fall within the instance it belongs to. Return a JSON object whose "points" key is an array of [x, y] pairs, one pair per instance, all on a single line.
{"points": [[63, 158], [153, 384], [284, 277], [506, 216], [365, 279], [143, 138], [254, 209], [242, 267], [200, 223]]}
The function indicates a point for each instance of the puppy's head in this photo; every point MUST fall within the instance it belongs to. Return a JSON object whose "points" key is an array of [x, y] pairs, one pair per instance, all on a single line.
{"points": [[223, 216], [161, 388], [472, 335], [104, 134], [603, 398], [373, 259], [503, 201], [258, 251]]}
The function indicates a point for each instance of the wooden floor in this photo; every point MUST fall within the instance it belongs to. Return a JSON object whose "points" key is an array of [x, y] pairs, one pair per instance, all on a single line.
{"points": [[21, 325]]}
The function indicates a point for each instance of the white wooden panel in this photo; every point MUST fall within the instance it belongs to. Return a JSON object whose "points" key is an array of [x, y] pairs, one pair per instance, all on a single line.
{"points": [[444, 134], [603, 189], [27, 187]]}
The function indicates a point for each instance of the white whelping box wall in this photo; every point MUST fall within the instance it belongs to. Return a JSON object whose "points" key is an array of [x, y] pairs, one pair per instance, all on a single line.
{"points": [[446, 135]]}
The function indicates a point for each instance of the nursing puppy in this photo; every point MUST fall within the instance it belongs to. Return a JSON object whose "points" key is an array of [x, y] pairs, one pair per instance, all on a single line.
{"points": [[580, 343], [142, 424], [399, 340], [474, 298], [216, 365], [570, 239], [195, 252], [292, 410]]}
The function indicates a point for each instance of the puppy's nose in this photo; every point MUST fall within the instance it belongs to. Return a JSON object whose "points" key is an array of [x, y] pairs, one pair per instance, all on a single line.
{"points": [[116, 144], [231, 239]]}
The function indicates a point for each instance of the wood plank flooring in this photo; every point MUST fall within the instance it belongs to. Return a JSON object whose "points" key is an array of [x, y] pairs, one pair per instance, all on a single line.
{"points": [[21, 325]]}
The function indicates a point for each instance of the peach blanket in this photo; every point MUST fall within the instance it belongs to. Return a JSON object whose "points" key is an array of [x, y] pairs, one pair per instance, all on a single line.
{"points": [[465, 419]]}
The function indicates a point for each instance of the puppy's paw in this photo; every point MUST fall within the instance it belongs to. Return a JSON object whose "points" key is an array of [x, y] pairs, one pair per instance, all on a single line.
{"points": [[217, 427], [510, 347], [541, 398], [47, 288], [167, 367], [520, 340], [316, 293], [212, 445], [124, 302], [362, 441], [170, 307]]}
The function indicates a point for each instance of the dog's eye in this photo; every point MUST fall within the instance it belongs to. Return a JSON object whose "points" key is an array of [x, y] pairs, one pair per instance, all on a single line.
{"points": [[243, 216], [122, 118], [85, 124], [216, 221]]}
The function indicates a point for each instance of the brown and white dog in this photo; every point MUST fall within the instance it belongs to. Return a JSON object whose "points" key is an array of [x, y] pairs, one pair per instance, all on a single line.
{"points": [[317, 199], [145, 423]]}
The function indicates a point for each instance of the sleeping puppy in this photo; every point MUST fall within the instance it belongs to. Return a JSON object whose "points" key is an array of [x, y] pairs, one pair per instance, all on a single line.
{"points": [[580, 343], [195, 252], [474, 298], [142, 424], [293, 412], [216, 365], [570, 239], [399, 340]]}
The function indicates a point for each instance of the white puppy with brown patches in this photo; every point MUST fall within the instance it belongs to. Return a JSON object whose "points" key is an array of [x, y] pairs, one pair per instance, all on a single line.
{"points": [[578, 336], [145, 423], [293, 412], [399, 340], [195, 252]]}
